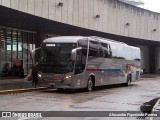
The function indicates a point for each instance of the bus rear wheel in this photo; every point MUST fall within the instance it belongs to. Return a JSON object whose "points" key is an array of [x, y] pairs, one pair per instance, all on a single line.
{"points": [[90, 84], [128, 83]]}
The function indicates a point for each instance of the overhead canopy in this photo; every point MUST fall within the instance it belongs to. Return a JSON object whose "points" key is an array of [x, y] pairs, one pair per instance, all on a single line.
{"points": [[19, 20], [133, 2]]}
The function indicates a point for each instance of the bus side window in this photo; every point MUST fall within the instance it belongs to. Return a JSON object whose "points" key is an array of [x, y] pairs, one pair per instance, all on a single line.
{"points": [[101, 51], [93, 49], [107, 50]]}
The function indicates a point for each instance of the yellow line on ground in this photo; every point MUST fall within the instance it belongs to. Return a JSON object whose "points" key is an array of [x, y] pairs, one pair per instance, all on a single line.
{"points": [[19, 90]]}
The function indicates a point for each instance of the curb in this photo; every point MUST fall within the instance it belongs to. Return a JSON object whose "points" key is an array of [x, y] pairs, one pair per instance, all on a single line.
{"points": [[20, 90]]}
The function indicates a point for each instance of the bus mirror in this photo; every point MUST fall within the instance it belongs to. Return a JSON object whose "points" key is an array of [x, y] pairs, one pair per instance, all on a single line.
{"points": [[73, 53], [36, 63]]}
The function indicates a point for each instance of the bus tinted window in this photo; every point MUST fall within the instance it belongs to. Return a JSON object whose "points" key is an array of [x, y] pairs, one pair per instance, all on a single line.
{"points": [[93, 48], [101, 51], [56, 57], [107, 50], [118, 51]]}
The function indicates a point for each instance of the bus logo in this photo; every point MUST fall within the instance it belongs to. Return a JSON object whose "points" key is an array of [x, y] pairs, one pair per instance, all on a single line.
{"points": [[6, 114], [56, 77]]}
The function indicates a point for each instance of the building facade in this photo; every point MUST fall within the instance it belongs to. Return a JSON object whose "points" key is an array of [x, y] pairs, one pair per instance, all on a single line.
{"points": [[25, 23]]}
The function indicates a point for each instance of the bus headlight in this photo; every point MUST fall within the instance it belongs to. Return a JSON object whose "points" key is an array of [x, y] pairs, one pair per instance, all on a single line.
{"points": [[67, 77], [39, 75]]}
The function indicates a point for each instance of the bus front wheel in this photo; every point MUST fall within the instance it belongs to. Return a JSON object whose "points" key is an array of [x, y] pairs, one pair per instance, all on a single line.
{"points": [[59, 89], [90, 84]]}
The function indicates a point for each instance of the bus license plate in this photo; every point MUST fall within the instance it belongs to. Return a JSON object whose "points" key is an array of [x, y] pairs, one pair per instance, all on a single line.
{"points": [[52, 84], [56, 77]]}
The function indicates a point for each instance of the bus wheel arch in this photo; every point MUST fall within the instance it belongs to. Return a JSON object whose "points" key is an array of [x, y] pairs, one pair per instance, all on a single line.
{"points": [[90, 83], [60, 89]]}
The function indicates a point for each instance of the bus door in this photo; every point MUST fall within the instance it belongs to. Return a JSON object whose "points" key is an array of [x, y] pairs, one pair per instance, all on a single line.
{"points": [[80, 63]]}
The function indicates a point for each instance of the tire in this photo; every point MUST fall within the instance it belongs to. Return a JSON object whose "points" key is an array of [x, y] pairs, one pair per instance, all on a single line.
{"points": [[90, 84], [128, 83], [60, 89]]}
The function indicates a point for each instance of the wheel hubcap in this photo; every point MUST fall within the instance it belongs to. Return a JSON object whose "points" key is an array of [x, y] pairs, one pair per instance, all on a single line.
{"points": [[90, 85], [129, 80]]}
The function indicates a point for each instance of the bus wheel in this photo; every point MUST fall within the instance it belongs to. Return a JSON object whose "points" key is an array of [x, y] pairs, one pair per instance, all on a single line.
{"points": [[60, 89], [128, 83], [90, 84]]}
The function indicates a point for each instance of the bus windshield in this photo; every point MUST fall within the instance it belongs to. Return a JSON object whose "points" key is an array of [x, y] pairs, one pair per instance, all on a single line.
{"points": [[56, 58]]}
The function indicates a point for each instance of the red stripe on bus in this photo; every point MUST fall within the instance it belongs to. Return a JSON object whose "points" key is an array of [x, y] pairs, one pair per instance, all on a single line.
{"points": [[91, 69]]}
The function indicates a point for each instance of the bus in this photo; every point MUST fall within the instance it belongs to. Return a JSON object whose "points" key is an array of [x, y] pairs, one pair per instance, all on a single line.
{"points": [[73, 62]]}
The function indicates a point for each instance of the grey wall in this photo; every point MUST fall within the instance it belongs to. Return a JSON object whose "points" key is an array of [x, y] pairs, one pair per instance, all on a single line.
{"points": [[113, 15]]}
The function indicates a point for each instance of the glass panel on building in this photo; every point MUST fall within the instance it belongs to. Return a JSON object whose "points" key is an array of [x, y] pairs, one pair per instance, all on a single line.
{"points": [[15, 49], [2, 49], [19, 46], [8, 47]]}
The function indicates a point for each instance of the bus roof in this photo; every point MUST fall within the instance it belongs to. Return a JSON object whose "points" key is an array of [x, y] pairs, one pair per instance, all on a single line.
{"points": [[113, 42], [74, 39], [107, 40], [61, 39]]}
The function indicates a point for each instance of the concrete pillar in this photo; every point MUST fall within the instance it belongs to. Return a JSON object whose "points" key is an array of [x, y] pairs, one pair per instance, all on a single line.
{"points": [[152, 54], [145, 59], [158, 60]]}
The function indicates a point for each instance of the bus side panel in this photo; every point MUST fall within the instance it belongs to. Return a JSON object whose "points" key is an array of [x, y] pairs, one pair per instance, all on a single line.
{"points": [[107, 71]]}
